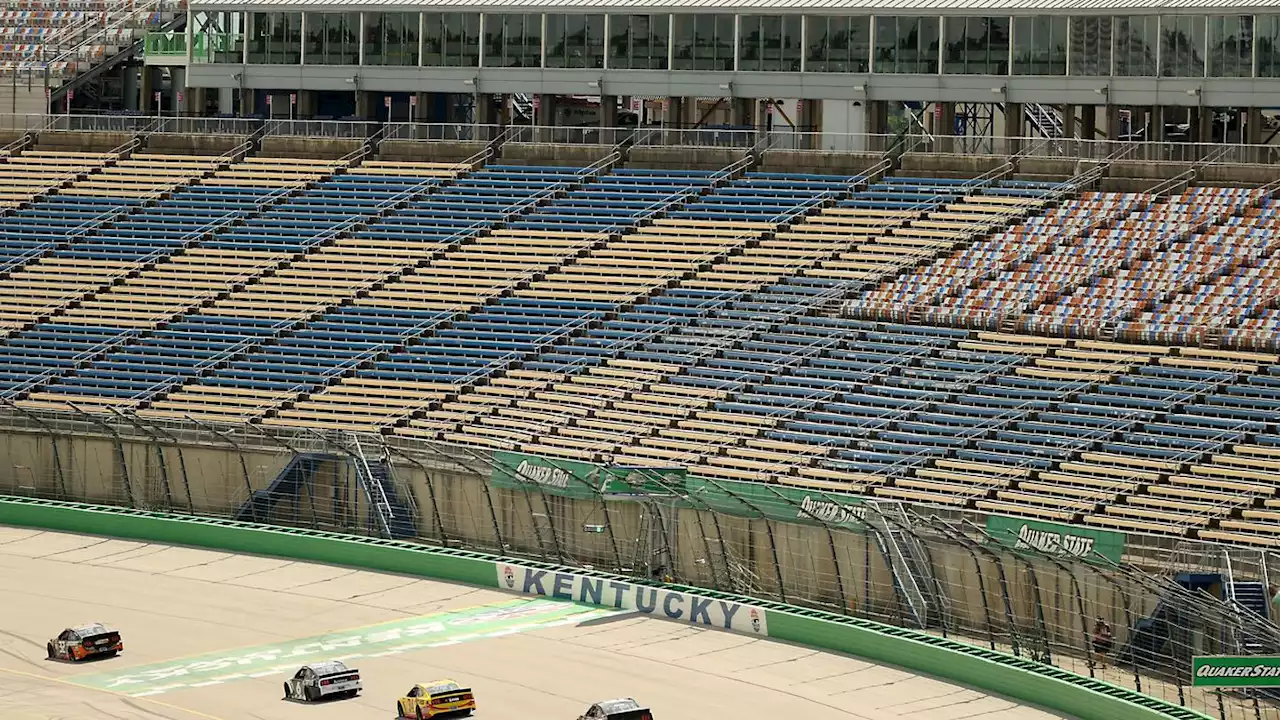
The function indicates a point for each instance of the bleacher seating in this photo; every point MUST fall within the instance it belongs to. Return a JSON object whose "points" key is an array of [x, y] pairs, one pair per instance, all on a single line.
{"points": [[76, 254], [25, 176], [61, 38], [438, 263], [992, 345]]}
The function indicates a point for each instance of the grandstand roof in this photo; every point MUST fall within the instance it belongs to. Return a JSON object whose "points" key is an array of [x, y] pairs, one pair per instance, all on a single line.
{"points": [[944, 7]]}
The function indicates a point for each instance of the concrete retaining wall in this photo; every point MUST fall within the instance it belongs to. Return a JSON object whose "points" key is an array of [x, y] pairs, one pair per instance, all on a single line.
{"points": [[308, 147], [522, 153], [427, 151], [71, 141], [688, 158], [182, 144], [462, 508], [809, 161], [945, 165]]}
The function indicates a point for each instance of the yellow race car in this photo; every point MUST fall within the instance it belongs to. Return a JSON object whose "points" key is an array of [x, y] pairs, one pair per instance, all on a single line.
{"points": [[442, 697]]}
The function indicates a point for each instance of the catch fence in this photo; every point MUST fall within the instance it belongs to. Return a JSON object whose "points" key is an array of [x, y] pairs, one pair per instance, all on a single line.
{"points": [[1034, 589]]}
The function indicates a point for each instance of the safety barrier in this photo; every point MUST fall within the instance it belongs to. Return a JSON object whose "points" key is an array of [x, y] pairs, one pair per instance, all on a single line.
{"points": [[994, 672]]}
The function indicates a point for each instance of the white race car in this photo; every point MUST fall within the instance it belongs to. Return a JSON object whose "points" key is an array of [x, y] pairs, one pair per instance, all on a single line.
{"points": [[323, 681], [86, 641]]}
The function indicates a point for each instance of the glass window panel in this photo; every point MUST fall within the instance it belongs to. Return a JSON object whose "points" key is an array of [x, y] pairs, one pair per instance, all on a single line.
{"points": [[1182, 45], [838, 44], [751, 55], [906, 45], [1091, 46], [575, 41], [977, 46], [374, 27], [1230, 46], [332, 38], [792, 50], [770, 42], [1267, 37], [638, 42], [595, 41], [513, 40], [275, 38], [451, 39], [1135, 49], [703, 42], [390, 38], [1040, 45], [226, 36]]}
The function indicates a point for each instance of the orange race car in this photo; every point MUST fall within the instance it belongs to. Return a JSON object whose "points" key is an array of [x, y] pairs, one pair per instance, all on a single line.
{"points": [[86, 641], [442, 697]]}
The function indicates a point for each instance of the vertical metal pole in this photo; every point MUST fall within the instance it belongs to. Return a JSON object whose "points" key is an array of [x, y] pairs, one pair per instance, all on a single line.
{"points": [[706, 548], [311, 496], [777, 567], [866, 575], [164, 476]]}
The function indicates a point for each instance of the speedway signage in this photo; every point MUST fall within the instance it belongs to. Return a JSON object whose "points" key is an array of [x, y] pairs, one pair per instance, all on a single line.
{"points": [[1065, 541], [584, 481], [1235, 671], [778, 502], [621, 595]]}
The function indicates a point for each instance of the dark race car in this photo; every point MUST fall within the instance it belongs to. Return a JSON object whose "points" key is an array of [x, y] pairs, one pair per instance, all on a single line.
{"points": [[87, 641], [619, 709]]}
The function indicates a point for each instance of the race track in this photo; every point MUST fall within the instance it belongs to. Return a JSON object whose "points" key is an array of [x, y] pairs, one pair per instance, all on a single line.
{"points": [[214, 635]]}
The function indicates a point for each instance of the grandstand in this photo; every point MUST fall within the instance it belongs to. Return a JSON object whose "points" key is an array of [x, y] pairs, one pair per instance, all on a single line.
{"points": [[1024, 347], [950, 262]]}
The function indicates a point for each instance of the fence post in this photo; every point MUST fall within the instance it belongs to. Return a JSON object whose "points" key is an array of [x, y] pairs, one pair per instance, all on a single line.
{"points": [[119, 448], [244, 466], [155, 441]]}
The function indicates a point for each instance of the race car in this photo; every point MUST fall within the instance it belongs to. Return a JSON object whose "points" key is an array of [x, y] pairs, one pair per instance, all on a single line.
{"points": [[442, 697], [323, 681], [619, 709], [86, 641]]}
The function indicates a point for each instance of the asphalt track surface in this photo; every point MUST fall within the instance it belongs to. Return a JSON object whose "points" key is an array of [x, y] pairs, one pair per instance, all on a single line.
{"points": [[213, 636]]}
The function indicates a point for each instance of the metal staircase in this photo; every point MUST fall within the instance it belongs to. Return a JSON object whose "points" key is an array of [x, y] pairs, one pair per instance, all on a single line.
{"points": [[1046, 119], [909, 565], [395, 517], [523, 105], [133, 47], [285, 488], [1248, 597]]}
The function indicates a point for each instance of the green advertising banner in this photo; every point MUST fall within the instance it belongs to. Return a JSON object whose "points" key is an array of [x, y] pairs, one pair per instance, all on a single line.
{"points": [[1069, 541], [777, 502], [584, 481], [1235, 671]]}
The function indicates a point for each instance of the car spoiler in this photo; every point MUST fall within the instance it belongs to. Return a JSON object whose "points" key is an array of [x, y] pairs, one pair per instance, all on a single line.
{"points": [[340, 673], [456, 691], [641, 713], [111, 636]]}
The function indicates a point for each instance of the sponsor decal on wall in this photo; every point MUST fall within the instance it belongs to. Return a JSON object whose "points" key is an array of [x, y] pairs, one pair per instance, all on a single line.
{"points": [[1066, 541], [778, 502], [567, 478], [1235, 671], [621, 595]]}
